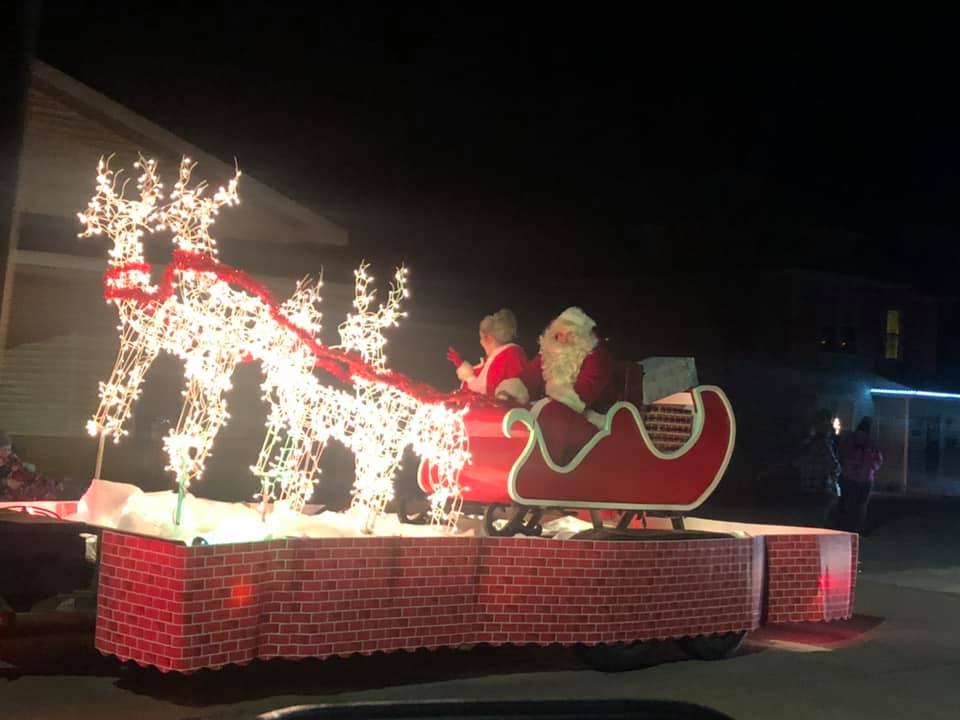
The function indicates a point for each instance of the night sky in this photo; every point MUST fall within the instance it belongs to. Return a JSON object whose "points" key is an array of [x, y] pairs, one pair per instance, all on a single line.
{"points": [[562, 150]]}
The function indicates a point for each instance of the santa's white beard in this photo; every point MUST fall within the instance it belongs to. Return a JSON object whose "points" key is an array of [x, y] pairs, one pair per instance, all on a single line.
{"points": [[562, 361]]}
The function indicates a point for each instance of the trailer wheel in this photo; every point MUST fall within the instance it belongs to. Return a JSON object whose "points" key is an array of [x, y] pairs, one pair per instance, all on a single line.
{"points": [[409, 513], [712, 647], [619, 657]]}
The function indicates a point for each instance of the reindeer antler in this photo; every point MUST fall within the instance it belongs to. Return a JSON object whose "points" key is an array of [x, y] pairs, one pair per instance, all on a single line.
{"points": [[123, 219], [190, 215], [362, 331], [303, 307]]}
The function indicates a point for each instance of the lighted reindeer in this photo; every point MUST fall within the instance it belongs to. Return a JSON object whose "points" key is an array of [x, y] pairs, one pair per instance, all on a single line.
{"points": [[377, 422], [213, 317], [124, 221], [191, 315]]}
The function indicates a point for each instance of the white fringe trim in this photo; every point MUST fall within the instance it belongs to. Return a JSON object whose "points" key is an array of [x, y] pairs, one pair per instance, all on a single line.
{"points": [[465, 371]]}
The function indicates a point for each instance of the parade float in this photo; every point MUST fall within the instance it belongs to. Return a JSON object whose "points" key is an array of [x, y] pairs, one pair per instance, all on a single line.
{"points": [[601, 553]]}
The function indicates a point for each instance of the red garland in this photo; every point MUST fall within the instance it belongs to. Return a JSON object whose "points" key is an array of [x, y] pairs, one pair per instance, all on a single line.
{"points": [[340, 364]]}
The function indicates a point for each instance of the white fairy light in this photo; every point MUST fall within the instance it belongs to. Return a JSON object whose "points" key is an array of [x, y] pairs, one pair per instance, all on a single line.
{"points": [[213, 319], [362, 331], [124, 221]]}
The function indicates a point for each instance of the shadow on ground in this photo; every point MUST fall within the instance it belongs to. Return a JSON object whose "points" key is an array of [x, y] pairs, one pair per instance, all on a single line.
{"points": [[337, 675], [73, 654]]}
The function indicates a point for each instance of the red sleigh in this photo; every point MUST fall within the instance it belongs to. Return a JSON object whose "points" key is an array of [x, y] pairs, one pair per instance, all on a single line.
{"points": [[621, 468]]}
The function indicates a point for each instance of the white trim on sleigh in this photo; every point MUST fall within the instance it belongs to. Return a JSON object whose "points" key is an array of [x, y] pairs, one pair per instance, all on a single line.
{"points": [[535, 437]]}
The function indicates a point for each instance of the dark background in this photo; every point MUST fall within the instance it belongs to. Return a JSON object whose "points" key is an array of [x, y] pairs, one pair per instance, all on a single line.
{"points": [[541, 159], [658, 167]]}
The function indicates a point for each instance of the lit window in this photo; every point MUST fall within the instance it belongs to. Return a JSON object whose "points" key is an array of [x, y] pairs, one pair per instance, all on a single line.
{"points": [[892, 345]]}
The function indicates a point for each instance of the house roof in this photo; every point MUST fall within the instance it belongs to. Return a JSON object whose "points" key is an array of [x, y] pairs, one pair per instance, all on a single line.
{"points": [[69, 125]]}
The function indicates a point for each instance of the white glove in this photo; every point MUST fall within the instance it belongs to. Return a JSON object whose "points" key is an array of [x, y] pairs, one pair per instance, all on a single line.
{"points": [[465, 372]]}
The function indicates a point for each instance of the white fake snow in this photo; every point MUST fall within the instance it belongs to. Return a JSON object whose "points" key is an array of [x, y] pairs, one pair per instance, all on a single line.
{"points": [[565, 527], [126, 507]]}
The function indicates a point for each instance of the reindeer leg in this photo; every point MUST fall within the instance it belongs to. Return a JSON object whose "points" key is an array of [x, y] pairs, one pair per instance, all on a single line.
{"points": [[287, 472], [266, 467], [203, 414], [117, 394], [134, 358], [303, 459], [373, 487]]}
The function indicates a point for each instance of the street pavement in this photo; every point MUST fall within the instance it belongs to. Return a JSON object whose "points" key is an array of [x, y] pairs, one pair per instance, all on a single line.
{"points": [[898, 657]]}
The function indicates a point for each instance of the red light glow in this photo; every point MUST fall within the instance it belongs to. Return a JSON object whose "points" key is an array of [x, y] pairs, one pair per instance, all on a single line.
{"points": [[241, 594]]}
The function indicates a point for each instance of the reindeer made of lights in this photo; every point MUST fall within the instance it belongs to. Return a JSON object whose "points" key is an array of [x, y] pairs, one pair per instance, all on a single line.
{"points": [[214, 317]]}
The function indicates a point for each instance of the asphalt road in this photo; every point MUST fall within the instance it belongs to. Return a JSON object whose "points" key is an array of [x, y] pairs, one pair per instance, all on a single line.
{"points": [[899, 657]]}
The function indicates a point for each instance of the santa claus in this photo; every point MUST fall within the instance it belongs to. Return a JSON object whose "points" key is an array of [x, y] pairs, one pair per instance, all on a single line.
{"points": [[573, 374], [500, 373]]}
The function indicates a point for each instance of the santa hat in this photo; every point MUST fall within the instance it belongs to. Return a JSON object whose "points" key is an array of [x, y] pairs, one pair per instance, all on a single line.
{"points": [[577, 318]]}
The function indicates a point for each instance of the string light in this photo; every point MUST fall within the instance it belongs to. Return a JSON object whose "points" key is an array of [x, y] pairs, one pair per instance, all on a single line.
{"points": [[124, 221], [213, 317], [362, 331]]}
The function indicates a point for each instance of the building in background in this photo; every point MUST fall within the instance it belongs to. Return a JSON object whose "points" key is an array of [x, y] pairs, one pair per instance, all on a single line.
{"points": [[919, 434], [784, 343], [57, 334]]}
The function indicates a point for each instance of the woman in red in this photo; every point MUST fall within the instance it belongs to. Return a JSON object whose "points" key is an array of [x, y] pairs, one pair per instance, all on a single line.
{"points": [[499, 374]]}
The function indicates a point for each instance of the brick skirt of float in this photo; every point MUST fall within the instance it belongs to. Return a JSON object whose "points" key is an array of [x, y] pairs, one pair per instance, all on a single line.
{"points": [[181, 608]]}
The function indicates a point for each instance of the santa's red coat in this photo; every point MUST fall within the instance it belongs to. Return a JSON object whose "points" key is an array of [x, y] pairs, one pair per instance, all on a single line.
{"points": [[563, 421], [502, 372]]}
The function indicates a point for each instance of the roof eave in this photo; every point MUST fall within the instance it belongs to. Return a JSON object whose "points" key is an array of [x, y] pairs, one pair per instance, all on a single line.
{"points": [[327, 233]]}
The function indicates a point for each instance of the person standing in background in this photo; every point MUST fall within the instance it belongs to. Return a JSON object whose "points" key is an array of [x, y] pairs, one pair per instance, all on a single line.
{"points": [[860, 459], [819, 470]]}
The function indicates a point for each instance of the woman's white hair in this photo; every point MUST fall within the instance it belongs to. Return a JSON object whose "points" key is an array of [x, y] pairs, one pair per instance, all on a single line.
{"points": [[501, 326]]}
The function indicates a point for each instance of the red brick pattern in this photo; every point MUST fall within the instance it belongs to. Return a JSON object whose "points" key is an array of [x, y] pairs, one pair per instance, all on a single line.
{"points": [[186, 608], [140, 603], [669, 426], [810, 577], [535, 591], [337, 597]]}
